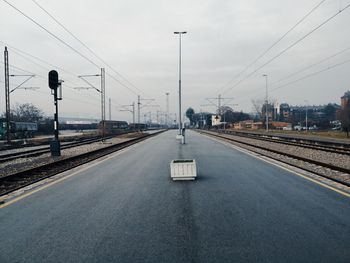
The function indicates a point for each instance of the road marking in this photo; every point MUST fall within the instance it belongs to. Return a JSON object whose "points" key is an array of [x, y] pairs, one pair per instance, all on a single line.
{"points": [[63, 177], [283, 166]]}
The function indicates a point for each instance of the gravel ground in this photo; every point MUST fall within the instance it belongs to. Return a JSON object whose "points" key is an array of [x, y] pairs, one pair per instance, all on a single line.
{"points": [[31, 162], [317, 155], [321, 156]]}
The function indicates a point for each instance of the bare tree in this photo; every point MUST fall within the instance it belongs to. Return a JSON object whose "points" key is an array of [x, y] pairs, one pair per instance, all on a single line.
{"points": [[26, 112], [259, 104]]}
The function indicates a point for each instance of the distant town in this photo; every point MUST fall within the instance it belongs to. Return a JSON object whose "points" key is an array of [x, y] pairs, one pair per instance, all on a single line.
{"points": [[278, 116]]}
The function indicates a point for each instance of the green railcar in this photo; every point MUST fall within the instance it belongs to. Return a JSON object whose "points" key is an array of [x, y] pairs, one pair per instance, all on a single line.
{"points": [[18, 130]]}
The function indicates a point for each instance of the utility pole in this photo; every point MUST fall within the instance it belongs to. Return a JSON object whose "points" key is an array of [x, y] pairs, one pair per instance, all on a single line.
{"points": [[7, 95], [110, 109], [101, 91], [145, 105], [306, 120], [132, 111], [266, 106], [103, 102], [138, 108], [221, 102], [167, 109]]}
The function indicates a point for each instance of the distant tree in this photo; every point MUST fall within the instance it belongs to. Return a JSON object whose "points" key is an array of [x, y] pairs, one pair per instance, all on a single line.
{"points": [[258, 106], [26, 112], [330, 112], [235, 116], [189, 115]]}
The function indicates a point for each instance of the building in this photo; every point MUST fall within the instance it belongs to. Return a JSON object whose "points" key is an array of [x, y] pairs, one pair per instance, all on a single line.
{"points": [[248, 125], [284, 114], [345, 99], [215, 120], [271, 112]]}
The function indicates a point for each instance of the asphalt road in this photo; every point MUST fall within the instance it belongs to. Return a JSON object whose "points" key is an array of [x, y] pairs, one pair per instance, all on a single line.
{"points": [[126, 209]]}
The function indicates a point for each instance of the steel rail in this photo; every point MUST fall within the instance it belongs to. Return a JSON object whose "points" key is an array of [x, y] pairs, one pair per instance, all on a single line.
{"points": [[305, 143], [40, 151], [44, 150], [15, 181]]}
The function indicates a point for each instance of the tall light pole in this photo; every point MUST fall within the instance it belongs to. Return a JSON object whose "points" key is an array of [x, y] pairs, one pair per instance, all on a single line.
{"points": [[266, 106], [180, 121]]}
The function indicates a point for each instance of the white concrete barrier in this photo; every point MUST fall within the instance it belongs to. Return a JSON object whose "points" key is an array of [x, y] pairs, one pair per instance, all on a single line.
{"points": [[179, 137], [183, 169]]}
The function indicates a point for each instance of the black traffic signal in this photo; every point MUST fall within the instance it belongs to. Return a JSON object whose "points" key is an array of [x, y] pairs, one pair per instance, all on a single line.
{"points": [[53, 79]]}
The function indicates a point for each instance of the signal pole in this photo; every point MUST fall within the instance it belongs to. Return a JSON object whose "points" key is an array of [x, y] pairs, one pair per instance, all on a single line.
{"points": [[54, 85], [7, 95]]}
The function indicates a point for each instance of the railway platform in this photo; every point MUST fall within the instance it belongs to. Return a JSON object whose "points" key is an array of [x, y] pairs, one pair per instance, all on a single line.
{"points": [[126, 208]]}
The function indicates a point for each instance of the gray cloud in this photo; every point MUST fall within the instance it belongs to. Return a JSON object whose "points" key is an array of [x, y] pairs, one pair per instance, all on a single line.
{"points": [[136, 37]]}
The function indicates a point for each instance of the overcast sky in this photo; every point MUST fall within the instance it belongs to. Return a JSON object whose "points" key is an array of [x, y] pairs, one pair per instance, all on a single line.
{"points": [[136, 38]]}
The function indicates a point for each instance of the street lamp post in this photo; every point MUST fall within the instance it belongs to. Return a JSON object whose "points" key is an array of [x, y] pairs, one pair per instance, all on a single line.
{"points": [[266, 106], [180, 121]]}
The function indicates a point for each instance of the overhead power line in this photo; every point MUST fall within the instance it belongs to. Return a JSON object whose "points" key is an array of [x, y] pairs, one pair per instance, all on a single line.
{"points": [[44, 79], [52, 34], [312, 74], [65, 43], [87, 47], [312, 65], [24, 54], [273, 45], [289, 47]]}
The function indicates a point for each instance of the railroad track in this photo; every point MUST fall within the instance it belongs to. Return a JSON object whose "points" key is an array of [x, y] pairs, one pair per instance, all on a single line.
{"points": [[43, 150], [319, 164], [333, 147], [15, 181]]}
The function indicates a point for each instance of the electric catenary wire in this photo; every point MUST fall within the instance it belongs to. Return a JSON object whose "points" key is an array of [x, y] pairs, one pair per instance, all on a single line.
{"points": [[52, 34], [88, 48], [289, 47], [273, 45]]}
